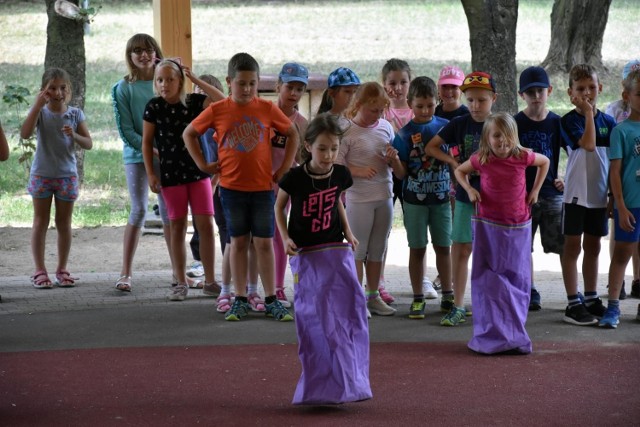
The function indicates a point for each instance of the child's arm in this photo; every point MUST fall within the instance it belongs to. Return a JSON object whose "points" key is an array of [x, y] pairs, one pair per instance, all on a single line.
{"points": [[433, 149], [4, 146], [462, 176], [393, 160], [148, 132], [213, 93], [290, 149], [342, 213], [588, 138], [29, 124], [542, 163], [626, 220], [81, 137], [191, 141], [281, 221]]}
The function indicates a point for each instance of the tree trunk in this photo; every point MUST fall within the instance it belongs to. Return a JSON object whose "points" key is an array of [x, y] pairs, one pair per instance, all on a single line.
{"points": [[492, 30], [577, 29], [65, 49]]}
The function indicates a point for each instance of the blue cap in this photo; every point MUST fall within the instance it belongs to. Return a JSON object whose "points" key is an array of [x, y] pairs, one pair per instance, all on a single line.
{"points": [[292, 72], [629, 67], [533, 77], [343, 77]]}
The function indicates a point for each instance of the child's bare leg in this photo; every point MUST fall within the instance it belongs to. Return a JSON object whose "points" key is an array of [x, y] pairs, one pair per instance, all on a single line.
{"points": [[204, 224], [252, 271], [619, 261], [569, 263], [239, 259], [64, 211], [178, 231], [591, 252], [264, 252], [226, 265], [360, 270], [416, 268], [443, 265], [41, 214], [460, 253], [635, 259], [129, 246]]}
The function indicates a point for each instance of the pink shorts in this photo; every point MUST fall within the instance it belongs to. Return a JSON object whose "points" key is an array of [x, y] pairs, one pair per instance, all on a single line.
{"points": [[197, 194]]}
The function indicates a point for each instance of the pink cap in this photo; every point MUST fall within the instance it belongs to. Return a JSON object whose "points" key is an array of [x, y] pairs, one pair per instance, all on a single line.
{"points": [[451, 75]]}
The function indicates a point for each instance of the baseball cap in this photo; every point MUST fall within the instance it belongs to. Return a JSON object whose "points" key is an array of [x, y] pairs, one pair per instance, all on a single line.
{"points": [[533, 77], [342, 77], [480, 80], [451, 75], [629, 67], [292, 72]]}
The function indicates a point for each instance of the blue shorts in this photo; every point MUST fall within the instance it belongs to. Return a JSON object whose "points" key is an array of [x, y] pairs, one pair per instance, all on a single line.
{"points": [[625, 236], [65, 188], [248, 212], [435, 218]]}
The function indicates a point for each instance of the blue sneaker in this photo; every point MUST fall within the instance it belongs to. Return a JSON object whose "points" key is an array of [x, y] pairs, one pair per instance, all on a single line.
{"points": [[534, 303], [278, 312], [237, 311], [611, 318]]}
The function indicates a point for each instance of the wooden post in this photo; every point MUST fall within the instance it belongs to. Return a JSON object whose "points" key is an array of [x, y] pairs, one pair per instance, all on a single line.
{"points": [[172, 29]]}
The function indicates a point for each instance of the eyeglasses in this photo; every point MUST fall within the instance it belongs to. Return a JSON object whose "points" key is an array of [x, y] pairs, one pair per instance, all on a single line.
{"points": [[139, 51]]}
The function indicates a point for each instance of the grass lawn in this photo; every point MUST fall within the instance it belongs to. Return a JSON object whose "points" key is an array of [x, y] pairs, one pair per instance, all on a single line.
{"points": [[320, 34]]}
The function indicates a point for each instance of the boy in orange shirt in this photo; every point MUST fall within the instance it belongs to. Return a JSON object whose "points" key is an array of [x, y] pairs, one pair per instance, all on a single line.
{"points": [[243, 124]]}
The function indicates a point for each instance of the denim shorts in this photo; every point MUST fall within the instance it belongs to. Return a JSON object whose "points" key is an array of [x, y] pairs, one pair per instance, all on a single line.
{"points": [[248, 212]]}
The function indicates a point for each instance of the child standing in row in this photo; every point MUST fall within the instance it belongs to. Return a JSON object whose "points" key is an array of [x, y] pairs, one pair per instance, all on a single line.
{"points": [[292, 84], [586, 132], [331, 318], [625, 164], [425, 192], [500, 273], [539, 130], [461, 138], [4, 145], [54, 175], [243, 124], [366, 149], [342, 84], [181, 182], [449, 82]]}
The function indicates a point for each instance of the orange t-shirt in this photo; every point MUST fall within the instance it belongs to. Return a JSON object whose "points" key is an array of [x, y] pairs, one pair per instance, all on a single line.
{"points": [[243, 136]]}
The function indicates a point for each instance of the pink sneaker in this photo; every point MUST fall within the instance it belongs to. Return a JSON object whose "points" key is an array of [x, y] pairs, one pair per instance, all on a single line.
{"points": [[282, 297], [386, 296], [256, 302], [223, 303]]}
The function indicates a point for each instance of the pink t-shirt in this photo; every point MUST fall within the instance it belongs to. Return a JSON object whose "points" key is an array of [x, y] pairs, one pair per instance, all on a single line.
{"points": [[503, 188], [398, 117]]}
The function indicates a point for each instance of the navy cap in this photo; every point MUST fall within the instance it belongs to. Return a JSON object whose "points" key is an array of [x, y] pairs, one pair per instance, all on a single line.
{"points": [[533, 77]]}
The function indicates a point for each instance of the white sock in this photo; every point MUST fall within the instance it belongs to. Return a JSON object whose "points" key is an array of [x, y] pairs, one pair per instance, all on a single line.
{"points": [[252, 288]]}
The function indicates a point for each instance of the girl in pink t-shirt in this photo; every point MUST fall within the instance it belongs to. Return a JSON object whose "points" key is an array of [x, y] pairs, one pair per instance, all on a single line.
{"points": [[501, 266]]}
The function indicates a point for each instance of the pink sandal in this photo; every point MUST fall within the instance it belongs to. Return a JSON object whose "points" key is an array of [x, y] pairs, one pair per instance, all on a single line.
{"points": [[64, 279], [40, 280]]}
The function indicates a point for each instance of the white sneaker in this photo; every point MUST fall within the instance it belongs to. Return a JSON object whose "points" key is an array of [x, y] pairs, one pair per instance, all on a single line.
{"points": [[369, 314], [427, 289], [379, 307], [179, 292], [196, 269]]}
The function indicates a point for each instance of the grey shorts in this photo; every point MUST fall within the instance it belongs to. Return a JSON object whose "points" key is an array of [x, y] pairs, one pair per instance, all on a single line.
{"points": [[547, 214]]}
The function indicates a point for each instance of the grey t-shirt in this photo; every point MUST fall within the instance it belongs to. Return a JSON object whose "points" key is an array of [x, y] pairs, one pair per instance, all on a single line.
{"points": [[55, 152]]}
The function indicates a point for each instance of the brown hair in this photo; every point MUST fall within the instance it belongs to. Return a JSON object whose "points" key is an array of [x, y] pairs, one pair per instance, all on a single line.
{"points": [[139, 40], [322, 123], [581, 71], [57, 73]]}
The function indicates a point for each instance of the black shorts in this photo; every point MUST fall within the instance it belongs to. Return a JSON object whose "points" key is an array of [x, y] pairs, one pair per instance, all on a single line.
{"points": [[577, 220]]}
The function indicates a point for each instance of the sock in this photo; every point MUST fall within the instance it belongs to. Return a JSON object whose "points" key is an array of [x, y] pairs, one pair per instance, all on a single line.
{"points": [[613, 303], [573, 300], [590, 297], [252, 288], [447, 294], [225, 289], [418, 298], [270, 299], [372, 294]]}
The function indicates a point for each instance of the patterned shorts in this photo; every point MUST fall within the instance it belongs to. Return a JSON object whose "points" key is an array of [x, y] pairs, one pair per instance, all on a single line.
{"points": [[65, 189]]}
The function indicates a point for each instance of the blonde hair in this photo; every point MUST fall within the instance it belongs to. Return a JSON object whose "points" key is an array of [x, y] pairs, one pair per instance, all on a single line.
{"points": [[506, 124], [177, 69], [57, 73], [368, 93]]}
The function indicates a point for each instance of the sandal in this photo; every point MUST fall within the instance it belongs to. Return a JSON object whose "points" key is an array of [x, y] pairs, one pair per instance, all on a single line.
{"points": [[195, 283], [124, 283], [40, 280], [64, 279]]}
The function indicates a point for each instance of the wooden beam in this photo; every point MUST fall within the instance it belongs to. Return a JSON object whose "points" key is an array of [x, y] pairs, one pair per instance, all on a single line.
{"points": [[172, 29]]}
